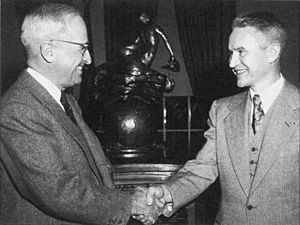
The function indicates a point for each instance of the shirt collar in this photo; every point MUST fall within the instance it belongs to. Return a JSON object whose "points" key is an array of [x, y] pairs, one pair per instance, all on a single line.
{"points": [[268, 95], [47, 84]]}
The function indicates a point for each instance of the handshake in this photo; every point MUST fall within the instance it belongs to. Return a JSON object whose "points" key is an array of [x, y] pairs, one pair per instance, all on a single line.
{"points": [[149, 203]]}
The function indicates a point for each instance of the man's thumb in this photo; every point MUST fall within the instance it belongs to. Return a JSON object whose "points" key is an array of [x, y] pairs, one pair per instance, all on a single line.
{"points": [[153, 192]]}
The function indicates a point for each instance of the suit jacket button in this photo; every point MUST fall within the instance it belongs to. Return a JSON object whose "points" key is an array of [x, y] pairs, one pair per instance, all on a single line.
{"points": [[250, 207]]}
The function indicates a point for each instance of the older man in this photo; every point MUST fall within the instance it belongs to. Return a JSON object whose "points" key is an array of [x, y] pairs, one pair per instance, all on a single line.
{"points": [[52, 167]]}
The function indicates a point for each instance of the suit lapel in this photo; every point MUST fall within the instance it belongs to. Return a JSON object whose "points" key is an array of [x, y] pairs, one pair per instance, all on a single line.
{"points": [[236, 138], [282, 124], [95, 151], [54, 108]]}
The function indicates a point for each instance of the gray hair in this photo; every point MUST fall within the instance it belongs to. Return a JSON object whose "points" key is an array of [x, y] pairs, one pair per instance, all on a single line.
{"points": [[266, 23], [46, 21]]}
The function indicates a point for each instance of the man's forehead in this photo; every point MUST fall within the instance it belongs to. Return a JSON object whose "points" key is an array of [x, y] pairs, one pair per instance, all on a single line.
{"points": [[76, 28], [243, 37]]}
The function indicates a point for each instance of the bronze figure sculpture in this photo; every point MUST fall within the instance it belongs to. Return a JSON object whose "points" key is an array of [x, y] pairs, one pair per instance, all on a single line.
{"points": [[131, 90]]}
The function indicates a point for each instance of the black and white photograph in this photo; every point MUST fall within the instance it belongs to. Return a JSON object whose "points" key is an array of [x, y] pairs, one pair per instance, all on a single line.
{"points": [[140, 112]]}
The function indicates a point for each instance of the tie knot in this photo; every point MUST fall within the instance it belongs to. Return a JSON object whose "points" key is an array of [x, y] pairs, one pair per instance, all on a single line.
{"points": [[63, 98], [256, 100], [67, 107]]}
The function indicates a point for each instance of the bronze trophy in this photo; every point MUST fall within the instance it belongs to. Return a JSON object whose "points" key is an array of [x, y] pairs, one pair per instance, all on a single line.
{"points": [[131, 93]]}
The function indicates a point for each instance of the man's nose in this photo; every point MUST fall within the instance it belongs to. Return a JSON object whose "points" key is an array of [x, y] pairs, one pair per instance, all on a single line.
{"points": [[234, 60], [87, 57]]}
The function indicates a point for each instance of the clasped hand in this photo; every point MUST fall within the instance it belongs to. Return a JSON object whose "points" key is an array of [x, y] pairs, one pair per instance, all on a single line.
{"points": [[149, 204]]}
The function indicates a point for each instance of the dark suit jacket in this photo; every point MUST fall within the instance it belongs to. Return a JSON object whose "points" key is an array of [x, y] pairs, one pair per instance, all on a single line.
{"points": [[272, 198], [51, 171]]}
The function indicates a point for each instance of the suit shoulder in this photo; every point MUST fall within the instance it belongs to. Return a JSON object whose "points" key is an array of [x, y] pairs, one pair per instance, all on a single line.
{"points": [[14, 93], [292, 94], [15, 97], [222, 105], [292, 86], [231, 99]]}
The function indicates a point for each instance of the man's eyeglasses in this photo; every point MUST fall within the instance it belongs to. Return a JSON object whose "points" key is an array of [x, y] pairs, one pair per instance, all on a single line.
{"points": [[84, 46]]}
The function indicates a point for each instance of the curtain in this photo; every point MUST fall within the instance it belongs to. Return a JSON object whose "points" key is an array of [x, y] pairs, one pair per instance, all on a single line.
{"points": [[121, 18], [204, 27]]}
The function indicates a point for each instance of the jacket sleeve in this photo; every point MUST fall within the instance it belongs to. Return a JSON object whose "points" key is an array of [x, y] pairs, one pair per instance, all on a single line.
{"points": [[50, 171], [197, 174]]}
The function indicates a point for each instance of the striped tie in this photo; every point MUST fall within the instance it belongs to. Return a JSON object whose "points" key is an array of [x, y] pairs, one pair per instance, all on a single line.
{"points": [[258, 113]]}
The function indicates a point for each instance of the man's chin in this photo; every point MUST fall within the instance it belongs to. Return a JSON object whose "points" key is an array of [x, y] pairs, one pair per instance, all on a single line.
{"points": [[77, 82], [77, 79], [241, 84]]}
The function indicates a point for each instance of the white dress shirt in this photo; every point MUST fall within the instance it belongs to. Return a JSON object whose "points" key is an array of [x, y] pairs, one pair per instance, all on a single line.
{"points": [[47, 84], [268, 95]]}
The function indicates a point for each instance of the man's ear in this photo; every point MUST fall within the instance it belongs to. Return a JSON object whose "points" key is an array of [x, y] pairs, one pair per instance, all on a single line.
{"points": [[274, 52], [46, 50]]}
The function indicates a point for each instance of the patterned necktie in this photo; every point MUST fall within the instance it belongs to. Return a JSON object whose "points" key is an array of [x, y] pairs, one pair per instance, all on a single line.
{"points": [[258, 113], [67, 107]]}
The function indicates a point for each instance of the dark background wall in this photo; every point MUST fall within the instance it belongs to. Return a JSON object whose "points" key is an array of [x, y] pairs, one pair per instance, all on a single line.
{"points": [[13, 56]]}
